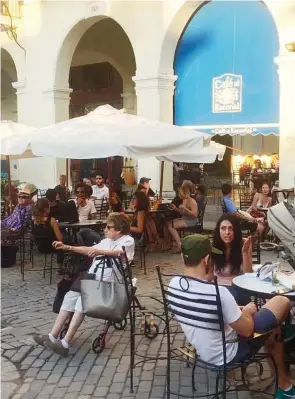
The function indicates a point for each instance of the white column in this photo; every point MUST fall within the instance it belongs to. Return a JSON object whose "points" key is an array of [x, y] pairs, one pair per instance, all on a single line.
{"points": [[155, 102], [286, 69], [40, 108], [129, 101]]}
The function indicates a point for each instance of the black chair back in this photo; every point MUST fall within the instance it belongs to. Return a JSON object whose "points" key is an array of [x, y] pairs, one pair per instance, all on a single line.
{"points": [[223, 207], [195, 307], [245, 202], [102, 207]]}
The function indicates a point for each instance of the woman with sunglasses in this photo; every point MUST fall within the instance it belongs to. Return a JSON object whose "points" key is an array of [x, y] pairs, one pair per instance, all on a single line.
{"points": [[117, 237]]}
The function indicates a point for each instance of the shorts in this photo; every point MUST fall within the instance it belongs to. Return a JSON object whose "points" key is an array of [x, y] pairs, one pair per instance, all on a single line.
{"points": [[264, 321], [189, 222], [72, 302]]}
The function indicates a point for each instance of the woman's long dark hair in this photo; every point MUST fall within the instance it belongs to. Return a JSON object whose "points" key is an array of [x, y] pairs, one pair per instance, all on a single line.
{"points": [[235, 257], [142, 201]]}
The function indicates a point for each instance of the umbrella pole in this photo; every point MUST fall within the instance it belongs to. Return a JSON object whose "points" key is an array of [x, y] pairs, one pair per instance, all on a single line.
{"points": [[161, 179], [67, 172], [9, 183], [110, 179]]}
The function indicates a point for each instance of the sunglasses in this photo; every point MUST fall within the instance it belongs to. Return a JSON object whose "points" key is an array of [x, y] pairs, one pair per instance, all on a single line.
{"points": [[23, 196], [110, 227]]}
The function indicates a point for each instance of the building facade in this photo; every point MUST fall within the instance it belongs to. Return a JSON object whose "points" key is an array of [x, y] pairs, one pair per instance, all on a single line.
{"points": [[221, 67]]}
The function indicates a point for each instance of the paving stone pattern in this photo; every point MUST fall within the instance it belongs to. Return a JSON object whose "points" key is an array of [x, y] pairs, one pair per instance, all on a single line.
{"points": [[30, 371]]}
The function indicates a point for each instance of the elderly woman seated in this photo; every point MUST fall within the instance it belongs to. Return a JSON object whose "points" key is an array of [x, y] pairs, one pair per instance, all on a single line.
{"points": [[117, 237], [188, 217]]}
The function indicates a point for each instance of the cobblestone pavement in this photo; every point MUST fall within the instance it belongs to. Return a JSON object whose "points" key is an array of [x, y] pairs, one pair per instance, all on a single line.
{"points": [[30, 371]]}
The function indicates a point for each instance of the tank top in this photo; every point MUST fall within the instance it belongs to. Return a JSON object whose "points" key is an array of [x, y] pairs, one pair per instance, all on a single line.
{"points": [[44, 236]]}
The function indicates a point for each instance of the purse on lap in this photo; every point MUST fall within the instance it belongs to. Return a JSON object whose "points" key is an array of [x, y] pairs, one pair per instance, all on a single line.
{"points": [[106, 300]]}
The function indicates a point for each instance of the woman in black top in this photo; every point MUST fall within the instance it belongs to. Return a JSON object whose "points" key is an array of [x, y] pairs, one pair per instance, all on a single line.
{"points": [[142, 206], [45, 228]]}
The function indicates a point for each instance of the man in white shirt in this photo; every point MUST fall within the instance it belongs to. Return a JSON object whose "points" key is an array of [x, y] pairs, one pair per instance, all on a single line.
{"points": [[86, 210], [100, 190], [117, 237], [199, 270]]}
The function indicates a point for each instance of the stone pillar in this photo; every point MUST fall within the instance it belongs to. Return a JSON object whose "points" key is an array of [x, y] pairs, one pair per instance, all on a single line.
{"points": [[40, 108], [129, 101], [286, 70], [155, 102]]}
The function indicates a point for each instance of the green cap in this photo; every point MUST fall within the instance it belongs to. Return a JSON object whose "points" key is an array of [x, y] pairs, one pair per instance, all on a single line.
{"points": [[196, 246]]}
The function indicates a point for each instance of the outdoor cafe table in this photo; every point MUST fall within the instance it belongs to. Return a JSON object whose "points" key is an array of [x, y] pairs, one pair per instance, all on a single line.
{"points": [[72, 228], [85, 223], [251, 285]]}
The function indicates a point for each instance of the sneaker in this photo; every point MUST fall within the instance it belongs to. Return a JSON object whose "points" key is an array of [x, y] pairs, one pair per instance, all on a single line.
{"points": [[281, 394], [41, 339], [58, 348]]}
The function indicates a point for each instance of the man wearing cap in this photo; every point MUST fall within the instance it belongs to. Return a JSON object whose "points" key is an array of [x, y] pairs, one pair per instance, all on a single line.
{"points": [[146, 182], [199, 269], [21, 216]]}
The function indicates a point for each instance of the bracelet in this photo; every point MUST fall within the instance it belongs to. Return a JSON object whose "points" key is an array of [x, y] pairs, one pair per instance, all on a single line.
{"points": [[68, 248]]}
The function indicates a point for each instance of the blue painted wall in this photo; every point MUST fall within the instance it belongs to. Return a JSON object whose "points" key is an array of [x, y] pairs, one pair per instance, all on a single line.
{"points": [[236, 37]]}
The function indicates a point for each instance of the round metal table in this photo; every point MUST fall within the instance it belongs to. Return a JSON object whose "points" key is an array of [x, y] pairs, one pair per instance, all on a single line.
{"points": [[85, 223], [250, 284]]}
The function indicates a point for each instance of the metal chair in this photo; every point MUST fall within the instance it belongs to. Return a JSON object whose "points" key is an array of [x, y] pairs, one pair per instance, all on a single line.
{"points": [[102, 208], [222, 204], [192, 308], [245, 202], [198, 228]]}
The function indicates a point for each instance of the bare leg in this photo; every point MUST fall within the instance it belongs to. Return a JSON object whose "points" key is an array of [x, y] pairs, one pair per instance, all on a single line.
{"points": [[276, 349], [59, 323], [280, 307], [177, 224], [74, 325]]}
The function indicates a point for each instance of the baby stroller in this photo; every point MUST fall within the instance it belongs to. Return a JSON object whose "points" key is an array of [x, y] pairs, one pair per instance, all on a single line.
{"points": [[281, 219], [148, 326]]}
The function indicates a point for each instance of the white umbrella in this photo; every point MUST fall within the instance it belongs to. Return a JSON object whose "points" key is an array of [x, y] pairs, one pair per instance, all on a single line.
{"points": [[15, 138], [107, 132], [205, 155]]}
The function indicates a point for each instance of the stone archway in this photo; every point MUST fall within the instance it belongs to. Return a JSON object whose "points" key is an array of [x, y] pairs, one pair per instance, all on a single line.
{"points": [[8, 95], [97, 62]]}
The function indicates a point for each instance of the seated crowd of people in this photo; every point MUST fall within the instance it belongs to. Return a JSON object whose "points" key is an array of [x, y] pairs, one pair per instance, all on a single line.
{"points": [[228, 256]]}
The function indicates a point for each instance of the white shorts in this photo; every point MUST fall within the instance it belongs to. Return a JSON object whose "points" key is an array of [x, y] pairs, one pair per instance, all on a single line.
{"points": [[72, 302]]}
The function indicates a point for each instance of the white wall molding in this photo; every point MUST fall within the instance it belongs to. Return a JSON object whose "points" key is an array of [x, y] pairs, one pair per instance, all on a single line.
{"points": [[61, 93]]}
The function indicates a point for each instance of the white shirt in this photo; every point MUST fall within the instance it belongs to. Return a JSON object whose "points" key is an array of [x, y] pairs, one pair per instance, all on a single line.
{"points": [[86, 211], [100, 192], [208, 343], [109, 244]]}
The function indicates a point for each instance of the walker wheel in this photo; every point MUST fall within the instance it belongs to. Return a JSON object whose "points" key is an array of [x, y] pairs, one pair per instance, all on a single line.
{"points": [[121, 325], [98, 344], [151, 332]]}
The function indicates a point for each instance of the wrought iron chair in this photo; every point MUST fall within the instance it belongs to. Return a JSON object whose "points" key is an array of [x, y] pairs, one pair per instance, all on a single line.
{"points": [[203, 311], [245, 202], [102, 207], [222, 204], [198, 228]]}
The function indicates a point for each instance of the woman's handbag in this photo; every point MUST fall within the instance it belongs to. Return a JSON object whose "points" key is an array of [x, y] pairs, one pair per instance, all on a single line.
{"points": [[106, 300]]}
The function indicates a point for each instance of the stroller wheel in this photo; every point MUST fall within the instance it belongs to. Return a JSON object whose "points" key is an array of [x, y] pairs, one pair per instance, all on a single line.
{"points": [[151, 332], [63, 332], [98, 344], [120, 326]]}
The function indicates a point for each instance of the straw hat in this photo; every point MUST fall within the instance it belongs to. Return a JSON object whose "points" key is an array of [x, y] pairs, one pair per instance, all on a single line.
{"points": [[28, 189]]}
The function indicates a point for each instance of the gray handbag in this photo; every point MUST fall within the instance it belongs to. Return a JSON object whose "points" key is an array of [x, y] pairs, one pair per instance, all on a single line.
{"points": [[106, 300]]}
